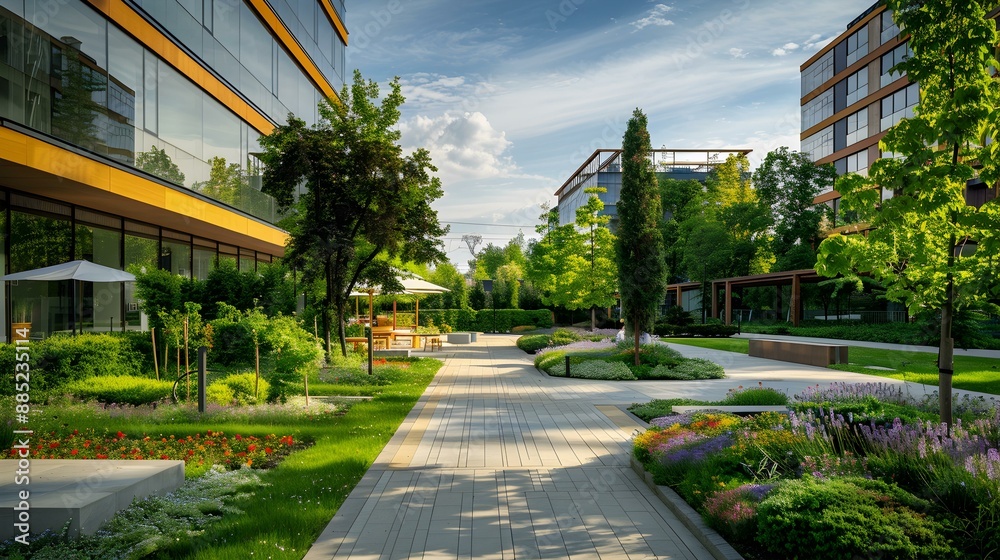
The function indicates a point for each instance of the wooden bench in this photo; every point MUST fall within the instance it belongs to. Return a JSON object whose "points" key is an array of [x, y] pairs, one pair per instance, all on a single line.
{"points": [[377, 341], [809, 353], [433, 340]]}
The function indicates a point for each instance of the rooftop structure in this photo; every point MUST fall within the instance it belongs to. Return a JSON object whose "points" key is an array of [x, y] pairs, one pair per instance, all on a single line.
{"points": [[603, 169]]}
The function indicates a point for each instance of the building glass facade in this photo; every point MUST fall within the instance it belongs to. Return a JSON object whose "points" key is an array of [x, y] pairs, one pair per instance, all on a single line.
{"points": [[166, 109]]}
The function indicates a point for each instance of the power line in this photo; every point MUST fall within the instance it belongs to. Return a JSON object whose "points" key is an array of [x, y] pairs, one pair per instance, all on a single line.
{"points": [[491, 225]]}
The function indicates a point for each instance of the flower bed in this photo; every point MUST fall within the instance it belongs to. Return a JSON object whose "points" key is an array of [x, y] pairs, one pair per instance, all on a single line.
{"points": [[198, 450], [818, 483]]}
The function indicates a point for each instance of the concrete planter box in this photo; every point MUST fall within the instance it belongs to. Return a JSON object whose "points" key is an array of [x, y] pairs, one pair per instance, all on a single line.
{"points": [[459, 338]]}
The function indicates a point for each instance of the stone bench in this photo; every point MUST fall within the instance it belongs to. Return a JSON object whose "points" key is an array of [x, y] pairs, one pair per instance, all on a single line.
{"points": [[459, 338], [809, 353]]}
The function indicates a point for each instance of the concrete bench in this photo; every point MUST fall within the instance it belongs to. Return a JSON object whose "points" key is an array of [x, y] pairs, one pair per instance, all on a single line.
{"points": [[459, 338], [809, 353]]}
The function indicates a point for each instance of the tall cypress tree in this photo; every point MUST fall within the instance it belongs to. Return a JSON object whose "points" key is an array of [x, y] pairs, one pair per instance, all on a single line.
{"points": [[639, 248]]}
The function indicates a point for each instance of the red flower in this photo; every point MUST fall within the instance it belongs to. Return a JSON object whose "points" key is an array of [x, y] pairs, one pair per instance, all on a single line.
{"points": [[268, 451], [54, 445], [86, 444], [101, 456], [190, 452], [239, 437], [120, 435], [164, 457], [252, 448], [74, 452], [286, 440]]}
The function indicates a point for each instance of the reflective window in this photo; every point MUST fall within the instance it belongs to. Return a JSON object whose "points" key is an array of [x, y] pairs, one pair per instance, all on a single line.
{"points": [[817, 110], [857, 126], [899, 106], [858, 163], [890, 60], [817, 73], [101, 304], [819, 145], [889, 29], [175, 256], [857, 86], [857, 45]]}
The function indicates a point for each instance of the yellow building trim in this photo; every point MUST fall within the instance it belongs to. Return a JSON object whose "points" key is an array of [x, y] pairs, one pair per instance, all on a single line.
{"points": [[12, 146], [335, 19], [38, 167], [273, 22], [136, 26]]}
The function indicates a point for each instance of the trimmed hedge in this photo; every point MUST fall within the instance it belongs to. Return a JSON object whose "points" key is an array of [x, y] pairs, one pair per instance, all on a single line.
{"points": [[121, 389], [61, 359], [532, 343], [483, 321], [695, 330]]}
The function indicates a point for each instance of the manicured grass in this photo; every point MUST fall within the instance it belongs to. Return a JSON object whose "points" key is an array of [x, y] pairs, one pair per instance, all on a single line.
{"points": [[284, 518], [971, 373]]}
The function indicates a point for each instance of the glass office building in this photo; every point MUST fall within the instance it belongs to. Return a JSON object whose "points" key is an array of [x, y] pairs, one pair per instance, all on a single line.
{"points": [[128, 134]]}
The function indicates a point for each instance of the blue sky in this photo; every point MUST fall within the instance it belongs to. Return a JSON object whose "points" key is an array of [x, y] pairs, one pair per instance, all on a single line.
{"points": [[511, 96]]}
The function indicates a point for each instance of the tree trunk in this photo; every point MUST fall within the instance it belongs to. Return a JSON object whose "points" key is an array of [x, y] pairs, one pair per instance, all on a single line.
{"points": [[593, 319], [636, 334], [946, 348], [342, 331]]}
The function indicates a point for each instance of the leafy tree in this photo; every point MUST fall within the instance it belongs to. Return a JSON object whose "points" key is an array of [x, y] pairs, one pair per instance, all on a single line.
{"points": [[600, 278], [639, 249], [365, 202], [786, 184], [913, 245], [489, 261], [555, 261], [157, 162]]}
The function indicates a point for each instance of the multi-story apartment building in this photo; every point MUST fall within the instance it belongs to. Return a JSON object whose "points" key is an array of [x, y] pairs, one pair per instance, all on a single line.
{"points": [[128, 133], [851, 97]]}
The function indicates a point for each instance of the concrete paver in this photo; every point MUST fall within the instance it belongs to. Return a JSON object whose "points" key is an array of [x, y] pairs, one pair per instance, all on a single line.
{"points": [[497, 460]]}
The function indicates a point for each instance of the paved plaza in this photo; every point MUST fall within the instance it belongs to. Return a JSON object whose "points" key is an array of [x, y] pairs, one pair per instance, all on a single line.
{"points": [[498, 460]]}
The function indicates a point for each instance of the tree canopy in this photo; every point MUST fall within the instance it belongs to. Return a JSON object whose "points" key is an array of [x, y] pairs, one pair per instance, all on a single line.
{"points": [[914, 237], [364, 201], [639, 249]]}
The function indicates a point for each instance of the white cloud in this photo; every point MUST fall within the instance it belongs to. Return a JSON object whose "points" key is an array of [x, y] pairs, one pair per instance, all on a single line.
{"points": [[785, 49], [462, 146], [655, 17], [738, 53]]}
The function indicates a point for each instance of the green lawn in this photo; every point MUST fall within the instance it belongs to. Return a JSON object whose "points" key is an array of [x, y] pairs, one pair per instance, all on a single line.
{"points": [[302, 494], [971, 373]]}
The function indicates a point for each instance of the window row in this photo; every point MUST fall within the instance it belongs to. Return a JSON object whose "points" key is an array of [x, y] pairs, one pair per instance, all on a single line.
{"points": [[84, 81], [899, 106], [890, 60], [36, 233], [228, 37], [817, 110], [819, 145]]}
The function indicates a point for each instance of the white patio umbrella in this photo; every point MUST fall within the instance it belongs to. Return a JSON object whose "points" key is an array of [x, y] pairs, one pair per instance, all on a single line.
{"points": [[412, 285], [77, 271]]}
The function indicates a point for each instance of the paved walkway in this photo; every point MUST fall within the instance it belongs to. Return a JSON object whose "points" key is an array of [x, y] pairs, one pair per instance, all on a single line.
{"points": [[497, 460]]}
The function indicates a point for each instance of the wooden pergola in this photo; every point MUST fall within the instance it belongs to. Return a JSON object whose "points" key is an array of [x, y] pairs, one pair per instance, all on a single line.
{"points": [[793, 278]]}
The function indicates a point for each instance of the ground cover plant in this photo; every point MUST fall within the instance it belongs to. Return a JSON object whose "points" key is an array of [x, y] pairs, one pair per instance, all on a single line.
{"points": [[606, 359], [972, 373], [837, 477], [273, 512]]}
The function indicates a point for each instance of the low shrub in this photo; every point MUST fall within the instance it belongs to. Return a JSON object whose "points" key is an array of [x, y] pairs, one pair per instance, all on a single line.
{"points": [[595, 369], [241, 386], [848, 518], [660, 407], [121, 389], [563, 337], [688, 370], [523, 328], [532, 343], [755, 396], [695, 330], [733, 512]]}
